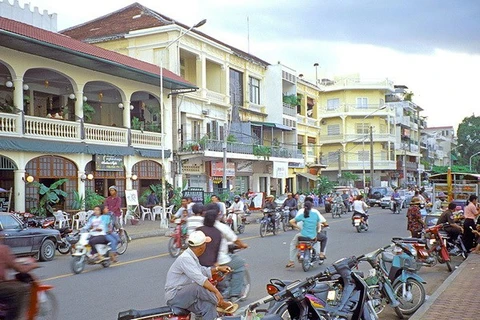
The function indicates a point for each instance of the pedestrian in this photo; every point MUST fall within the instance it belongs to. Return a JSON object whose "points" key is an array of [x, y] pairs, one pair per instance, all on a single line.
{"points": [[472, 211], [415, 222]]}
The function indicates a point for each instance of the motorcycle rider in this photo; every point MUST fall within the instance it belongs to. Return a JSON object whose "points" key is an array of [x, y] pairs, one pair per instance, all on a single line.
{"points": [[223, 210], [271, 206], [359, 208], [396, 199], [311, 225], [187, 285], [111, 235], [438, 205], [219, 249], [291, 203], [237, 207], [14, 294], [452, 229], [340, 201], [345, 200], [97, 225], [322, 233]]}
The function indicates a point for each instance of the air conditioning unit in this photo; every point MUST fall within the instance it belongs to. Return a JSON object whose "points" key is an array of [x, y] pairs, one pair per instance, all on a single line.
{"points": [[205, 112]]}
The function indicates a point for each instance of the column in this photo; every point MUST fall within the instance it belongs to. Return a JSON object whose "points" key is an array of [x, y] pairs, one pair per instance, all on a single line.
{"points": [[126, 114], [128, 181], [79, 105], [18, 102], [81, 184], [19, 188], [201, 75], [226, 79]]}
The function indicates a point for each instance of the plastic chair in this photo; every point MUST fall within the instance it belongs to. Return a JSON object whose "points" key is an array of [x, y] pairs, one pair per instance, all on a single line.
{"points": [[164, 219], [169, 211], [157, 211], [60, 219], [146, 211], [79, 219]]}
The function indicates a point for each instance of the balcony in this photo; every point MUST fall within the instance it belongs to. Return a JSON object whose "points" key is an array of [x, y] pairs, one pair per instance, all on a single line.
{"points": [[361, 165], [410, 166], [307, 121], [281, 151], [345, 138], [70, 131], [216, 97], [353, 83], [355, 110], [289, 110]]}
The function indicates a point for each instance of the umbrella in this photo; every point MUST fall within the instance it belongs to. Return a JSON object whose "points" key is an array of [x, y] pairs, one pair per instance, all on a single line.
{"points": [[3, 190]]}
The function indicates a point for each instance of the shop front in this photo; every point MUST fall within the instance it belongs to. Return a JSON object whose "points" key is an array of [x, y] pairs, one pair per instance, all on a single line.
{"points": [[216, 176]]}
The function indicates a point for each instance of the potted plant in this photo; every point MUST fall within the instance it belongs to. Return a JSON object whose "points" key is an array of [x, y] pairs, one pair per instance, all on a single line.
{"points": [[92, 199], [78, 201], [88, 112], [262, 151], [49, 196]]}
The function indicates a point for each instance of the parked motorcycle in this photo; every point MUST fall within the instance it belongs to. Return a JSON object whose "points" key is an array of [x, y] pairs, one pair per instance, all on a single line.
{"points": [[270, 222], [396, 205], [308, 299], [64, 246], [42, 304], [81, 254], [236, 221], [178, 240], [359, 223], [454, 247]]}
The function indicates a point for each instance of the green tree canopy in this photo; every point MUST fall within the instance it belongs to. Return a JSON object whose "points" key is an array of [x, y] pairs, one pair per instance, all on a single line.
{"points": [[468, 134]]}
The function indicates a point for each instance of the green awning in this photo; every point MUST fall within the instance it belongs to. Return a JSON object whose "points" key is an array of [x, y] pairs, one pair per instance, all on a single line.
{"points": [[308, 176], [273, 125], [148, 153]]}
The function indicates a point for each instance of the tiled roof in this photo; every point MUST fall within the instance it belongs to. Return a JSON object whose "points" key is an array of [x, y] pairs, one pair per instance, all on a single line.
{"points": [[35, 34], [136, 17]]}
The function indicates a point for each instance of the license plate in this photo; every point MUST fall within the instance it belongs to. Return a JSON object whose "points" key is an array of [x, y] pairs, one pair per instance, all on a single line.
{"points": [[356, 222], [331, 295]]}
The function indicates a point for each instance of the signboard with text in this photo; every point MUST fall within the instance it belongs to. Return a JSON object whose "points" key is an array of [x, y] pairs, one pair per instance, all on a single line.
{"points": [[108, 162], [280, 170], [217, 169]]}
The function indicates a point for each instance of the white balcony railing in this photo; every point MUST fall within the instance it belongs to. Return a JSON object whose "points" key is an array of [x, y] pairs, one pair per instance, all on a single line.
{"points": [[52, 128], [101, 134], [9, 123], [289, 110], [215, 97], [146, 139], [353, 83]]}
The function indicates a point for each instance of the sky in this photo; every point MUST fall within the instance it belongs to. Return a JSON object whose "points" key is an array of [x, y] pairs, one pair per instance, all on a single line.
{"points": [[431, 46]]}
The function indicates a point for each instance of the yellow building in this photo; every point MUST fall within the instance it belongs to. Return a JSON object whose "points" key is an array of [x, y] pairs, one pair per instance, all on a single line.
{"points": [[354, 118]]}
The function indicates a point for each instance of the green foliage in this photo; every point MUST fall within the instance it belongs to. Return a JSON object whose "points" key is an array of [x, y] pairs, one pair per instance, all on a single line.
{"points": [[231, 138], [348, 176], [136, 124], [324, 185], [88, 112], [156, 188], [408, 96], [78, 201], [93, 199], [262, 151], [426, 164], [49, 196], [292, 100], [468, 134]]}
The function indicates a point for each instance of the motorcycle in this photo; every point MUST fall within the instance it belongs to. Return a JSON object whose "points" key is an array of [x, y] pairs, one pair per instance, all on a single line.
{"points": [[396, 205], [454, 247], [337, 209], [236, 221], [286, 216], [222, 280], [42, 304], [430, 249], [178, 241], [316, 298], [359, 222], [306, 253], [64, 246], [81, 254], [270, 222]]}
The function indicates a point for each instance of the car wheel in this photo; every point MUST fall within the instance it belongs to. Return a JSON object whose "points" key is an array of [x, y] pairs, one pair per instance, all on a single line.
{"points": [[47, 251]]}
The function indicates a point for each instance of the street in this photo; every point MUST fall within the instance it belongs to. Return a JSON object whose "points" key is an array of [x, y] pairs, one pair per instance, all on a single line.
{"points": [[137, 281]]}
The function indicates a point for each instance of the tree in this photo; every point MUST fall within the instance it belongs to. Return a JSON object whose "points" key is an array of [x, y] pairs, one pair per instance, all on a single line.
{"points": [[348, 177], [49, 196], [324, 185], [468, 134]]}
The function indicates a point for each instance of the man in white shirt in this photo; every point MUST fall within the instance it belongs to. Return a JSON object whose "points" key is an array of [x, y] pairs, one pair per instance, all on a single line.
{"points": [[221, 206]]}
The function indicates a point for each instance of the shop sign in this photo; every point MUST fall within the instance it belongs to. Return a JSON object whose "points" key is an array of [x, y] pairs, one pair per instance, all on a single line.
{"points": [[245, 166], [108, 163], [217, 169], [280, 170], [296, 165]]}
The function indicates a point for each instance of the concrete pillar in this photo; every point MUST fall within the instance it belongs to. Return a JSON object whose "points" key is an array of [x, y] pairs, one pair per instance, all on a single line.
{"points": [[19, 187], [201, 69], [18, 102], [126, 114], [79, 105], [80, 183], [225, 78]]}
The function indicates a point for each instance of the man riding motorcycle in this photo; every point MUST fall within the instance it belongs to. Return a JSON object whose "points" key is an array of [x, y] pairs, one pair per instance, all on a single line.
{"points": [[396, 199], [270, 205], [339, 200], [237, 207], [292, 205]]}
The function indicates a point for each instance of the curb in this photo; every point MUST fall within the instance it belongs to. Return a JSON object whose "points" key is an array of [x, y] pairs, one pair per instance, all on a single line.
{"points": [[418, 315]]}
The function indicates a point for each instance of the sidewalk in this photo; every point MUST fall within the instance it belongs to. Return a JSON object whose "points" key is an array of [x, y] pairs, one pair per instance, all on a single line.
{"points": [[149, 228], [457, 297]]}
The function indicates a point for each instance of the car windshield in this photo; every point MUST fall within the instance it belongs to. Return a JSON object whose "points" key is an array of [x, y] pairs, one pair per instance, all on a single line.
{"points": [[9, 222]]}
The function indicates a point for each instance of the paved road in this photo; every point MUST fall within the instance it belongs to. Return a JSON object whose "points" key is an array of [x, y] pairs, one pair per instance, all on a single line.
{"points": [[138, 280]]}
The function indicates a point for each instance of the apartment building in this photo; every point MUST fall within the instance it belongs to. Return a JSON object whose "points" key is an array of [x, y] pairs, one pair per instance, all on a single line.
{"points": [[355, 120], [67, 111], [439, 145], [237, 107]]}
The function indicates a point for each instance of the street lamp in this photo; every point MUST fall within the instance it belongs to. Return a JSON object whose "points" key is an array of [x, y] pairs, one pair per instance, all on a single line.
{"points": [[371, 146], [470, 162], [451, 151], [162, 105]]}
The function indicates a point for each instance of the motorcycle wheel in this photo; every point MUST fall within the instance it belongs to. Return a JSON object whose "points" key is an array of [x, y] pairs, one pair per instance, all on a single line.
{"points": [[274, 228], [64, 248], [415, 296], [241, 228], [172, 248], [48, 306], [359, 228], [123, 243], [334, 212], [106, 263], [263, 228], [78, 264], [449, 266], [283, 312], [306, 261], [284, 225]]}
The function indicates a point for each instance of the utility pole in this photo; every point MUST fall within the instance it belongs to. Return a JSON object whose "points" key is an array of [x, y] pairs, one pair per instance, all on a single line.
{"points": [[339, 164], [405, 167], [371, 156]]}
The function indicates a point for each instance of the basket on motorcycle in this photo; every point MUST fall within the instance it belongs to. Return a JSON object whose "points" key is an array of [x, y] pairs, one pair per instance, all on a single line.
{"points": [[72, 239]]}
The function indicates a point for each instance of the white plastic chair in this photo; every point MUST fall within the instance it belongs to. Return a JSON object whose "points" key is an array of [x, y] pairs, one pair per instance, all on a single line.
{"points": [[164, 219], [79, 219], [146, 211], [156, 211], [169, 211], [60, 219], [89, 214]]}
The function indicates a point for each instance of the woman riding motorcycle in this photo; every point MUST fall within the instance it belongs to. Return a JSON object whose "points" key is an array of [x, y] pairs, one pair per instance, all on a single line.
{"points": [[97, 225]]}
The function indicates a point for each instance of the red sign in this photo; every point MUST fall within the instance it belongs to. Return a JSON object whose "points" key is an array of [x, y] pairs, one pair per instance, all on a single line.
{"points": [[217, 169]]}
